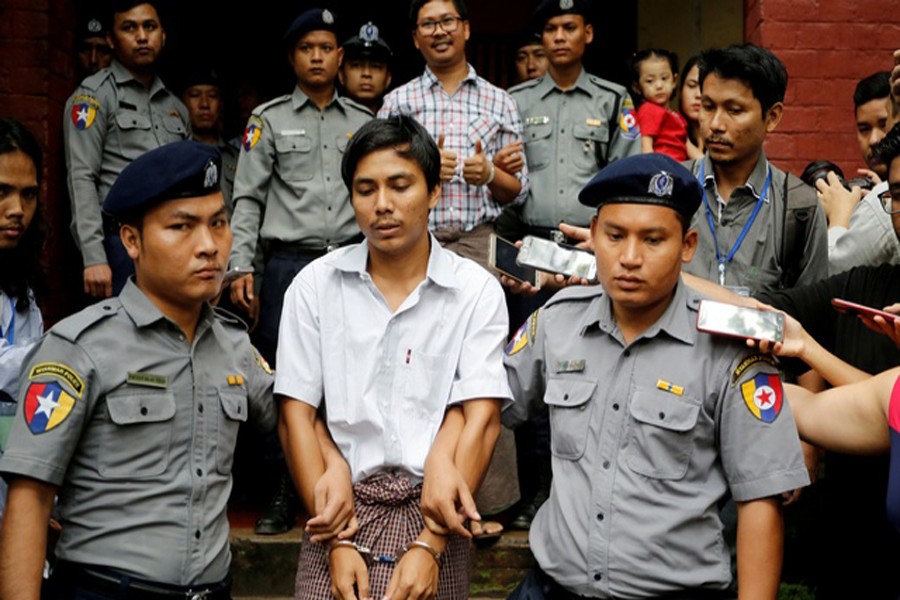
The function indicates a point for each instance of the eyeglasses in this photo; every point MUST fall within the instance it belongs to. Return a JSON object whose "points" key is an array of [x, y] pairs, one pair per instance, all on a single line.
{"points": [[448, 24], [888, 203]]}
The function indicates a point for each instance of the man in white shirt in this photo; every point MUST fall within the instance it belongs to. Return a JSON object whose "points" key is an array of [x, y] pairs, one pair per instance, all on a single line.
{"points": [[392, 338]]}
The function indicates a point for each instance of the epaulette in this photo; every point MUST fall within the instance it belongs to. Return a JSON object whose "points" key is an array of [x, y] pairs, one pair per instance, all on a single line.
{"points": [[576, 293], [93, 82], [525, 85], [72, 327], [351, 103], [229, 318], [609, 86], [259, 110]]}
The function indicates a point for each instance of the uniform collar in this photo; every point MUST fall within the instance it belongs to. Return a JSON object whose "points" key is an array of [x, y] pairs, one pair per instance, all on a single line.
{"points": [[144, 313], [754, 183], [676, 321], [548, 84], [299, 99], [123, 75], [432, 80], [439, 269]]}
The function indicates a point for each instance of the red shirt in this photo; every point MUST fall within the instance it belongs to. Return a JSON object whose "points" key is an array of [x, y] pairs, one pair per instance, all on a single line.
{"points": [[667, 128]]}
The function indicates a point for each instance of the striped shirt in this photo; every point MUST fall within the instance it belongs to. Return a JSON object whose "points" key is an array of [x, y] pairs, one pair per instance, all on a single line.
{"points": [[478, 110]]}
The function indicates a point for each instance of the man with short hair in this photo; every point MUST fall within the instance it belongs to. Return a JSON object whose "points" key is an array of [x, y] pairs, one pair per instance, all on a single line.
{"points": [[470, 119], [870, 102], [759, 227], [287, 192], [653, 423], [130, 409], [530, 57], [112, 118], [397, 343], [94, 51], [365, 72]]}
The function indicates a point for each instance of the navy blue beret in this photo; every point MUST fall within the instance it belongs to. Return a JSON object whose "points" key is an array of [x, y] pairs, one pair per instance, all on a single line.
{"points": [[368, 44], [644, 179], [185, 169], [528, 37], [548, 9], [314, 19]]}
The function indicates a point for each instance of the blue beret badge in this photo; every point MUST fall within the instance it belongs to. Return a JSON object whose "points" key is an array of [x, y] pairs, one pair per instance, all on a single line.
{"points": [[661, 185], [211, 176], [566, 4], [368, 33], [327, 17]]}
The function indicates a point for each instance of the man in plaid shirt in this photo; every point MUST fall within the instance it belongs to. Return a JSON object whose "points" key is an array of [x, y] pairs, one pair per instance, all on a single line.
{"points": [[470, 119]]}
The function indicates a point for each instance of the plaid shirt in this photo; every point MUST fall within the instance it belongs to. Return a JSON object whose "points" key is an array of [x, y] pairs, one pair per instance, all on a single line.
{"points": [[478, 110]]}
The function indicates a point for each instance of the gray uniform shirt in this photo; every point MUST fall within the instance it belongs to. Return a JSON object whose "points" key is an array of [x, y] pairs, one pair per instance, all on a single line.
{"points": [[288, 185], [646, 439], [758, 264], [569, 135], [110, 120], [137, 427]]}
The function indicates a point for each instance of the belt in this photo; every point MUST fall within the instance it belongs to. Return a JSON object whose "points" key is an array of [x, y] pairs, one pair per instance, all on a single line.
{"points": [[296, 249], [115, 584]]}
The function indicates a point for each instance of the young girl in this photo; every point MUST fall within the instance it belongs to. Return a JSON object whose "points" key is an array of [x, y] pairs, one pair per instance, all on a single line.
{"points": [[654, 76]]}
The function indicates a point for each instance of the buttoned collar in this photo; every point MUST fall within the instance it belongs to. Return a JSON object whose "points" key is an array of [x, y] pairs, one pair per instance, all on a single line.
{"points": [[144, 313], [123, 75], [582, 84], [299, 99], [754, 183], [439, 269], [676, 321], [431, 79]]}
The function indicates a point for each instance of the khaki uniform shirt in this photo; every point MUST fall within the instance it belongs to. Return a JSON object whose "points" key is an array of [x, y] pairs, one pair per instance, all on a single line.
{"points": [[109, 121], [647, 439], [288, 185], [138, 427], [569, 136]]}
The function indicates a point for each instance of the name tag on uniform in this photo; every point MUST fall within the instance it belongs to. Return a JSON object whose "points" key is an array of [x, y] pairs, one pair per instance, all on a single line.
{"points": [[148, 380], [537, 120], [235, 380], [593, 122], [570, 366], [665, 386], [293, 132], [127, 105]]}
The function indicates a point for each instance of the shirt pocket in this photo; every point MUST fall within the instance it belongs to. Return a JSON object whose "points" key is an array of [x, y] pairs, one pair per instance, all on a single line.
{"points": [[538, 145], [570, 408], [174, 126], [662, 441], [589, 141], [425, 390], [294, 157], [341, 142], [135, 134], [233, 412], [484, 129], [135, 442]]}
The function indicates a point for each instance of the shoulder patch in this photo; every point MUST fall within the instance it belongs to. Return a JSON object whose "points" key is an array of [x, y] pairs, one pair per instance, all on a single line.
{"points": [[518, 341], [252, 133], [749, 362], [628, 122], [61, 372], [70, 328], [763, 396], [84, 111], [47, 405]]}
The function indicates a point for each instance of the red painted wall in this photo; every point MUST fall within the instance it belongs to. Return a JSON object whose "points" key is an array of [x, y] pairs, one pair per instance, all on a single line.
{"points": [[827, 46]]}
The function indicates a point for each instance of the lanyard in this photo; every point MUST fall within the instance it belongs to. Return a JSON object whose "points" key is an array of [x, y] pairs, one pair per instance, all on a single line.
{"points": [[11, 332], [724, 260]]}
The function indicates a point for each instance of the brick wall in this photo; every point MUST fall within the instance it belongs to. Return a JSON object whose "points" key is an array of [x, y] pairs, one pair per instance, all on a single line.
{"points": [[827, 46], [36, 77]]}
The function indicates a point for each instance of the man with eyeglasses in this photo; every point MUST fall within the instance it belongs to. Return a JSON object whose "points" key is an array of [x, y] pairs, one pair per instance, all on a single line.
{"points": [[288, 192], [470, 119]]}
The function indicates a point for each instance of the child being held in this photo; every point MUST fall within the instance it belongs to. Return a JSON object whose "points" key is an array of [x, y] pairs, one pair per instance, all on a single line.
{"points": [[654, 77]]}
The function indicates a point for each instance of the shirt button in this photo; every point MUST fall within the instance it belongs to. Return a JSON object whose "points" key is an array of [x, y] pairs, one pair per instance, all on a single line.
{"points": [[627, 353], [598, 576], [561, 192], [197, 534], [662, 415], [181, 337], [562, 161], [562, 130], [605, 464], [144, 410], [199, 472], [325, 146], [200, 408], [615, 406], [329, 208], [600, 516], [565, 396]]}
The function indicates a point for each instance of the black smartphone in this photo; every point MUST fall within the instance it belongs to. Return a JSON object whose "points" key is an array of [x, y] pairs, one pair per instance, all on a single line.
{"points": [[502, 258]]}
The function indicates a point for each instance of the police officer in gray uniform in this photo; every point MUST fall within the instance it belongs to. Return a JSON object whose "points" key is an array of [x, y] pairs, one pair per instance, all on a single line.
{"points": [[575, 123], [130, 409], [112, 118], [652, 422], [288, 188]]}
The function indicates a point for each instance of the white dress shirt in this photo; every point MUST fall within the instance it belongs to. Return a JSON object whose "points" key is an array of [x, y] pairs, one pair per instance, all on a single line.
{"points": [[386, 378]]}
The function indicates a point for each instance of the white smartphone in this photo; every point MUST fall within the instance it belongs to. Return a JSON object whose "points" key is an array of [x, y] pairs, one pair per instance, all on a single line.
{"points": [[502, 257], [554, 257], [740, 322]]}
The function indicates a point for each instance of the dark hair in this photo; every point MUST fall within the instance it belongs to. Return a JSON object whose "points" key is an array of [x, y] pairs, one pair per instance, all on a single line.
{"points": [[648, 53], [416, 5], [20, 266], [888, 148], [121, 6], [876, 86], [757, 67], [688, 65], [401, 133]]}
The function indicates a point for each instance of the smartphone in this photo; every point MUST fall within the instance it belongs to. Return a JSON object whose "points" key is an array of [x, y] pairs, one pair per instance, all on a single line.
{"points": [[741, 322], [554, 257], [502, 257], [844, 306], [235, 273]]}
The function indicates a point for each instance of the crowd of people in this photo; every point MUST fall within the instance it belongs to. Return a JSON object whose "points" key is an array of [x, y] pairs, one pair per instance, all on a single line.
{"points": [[327, 277]]}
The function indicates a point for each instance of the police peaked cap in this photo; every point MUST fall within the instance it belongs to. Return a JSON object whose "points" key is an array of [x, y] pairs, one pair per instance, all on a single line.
{"points": [[644, 179], [185, 169], [368, 44], [314, 19], [548, 9]]}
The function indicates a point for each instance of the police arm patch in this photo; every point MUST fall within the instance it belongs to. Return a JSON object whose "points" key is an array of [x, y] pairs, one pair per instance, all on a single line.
{"points": [[61, 372], [518, 341], [628, 122], [252, 133], [84, 111], [261, 362], [47, 405], [764, 396]]}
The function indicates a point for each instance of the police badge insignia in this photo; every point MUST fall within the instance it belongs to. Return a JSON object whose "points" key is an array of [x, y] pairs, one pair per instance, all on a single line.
{"points": [[94, 26], [327, 17], [211, 177], [368, 33], [661, 185], [566, 4]]}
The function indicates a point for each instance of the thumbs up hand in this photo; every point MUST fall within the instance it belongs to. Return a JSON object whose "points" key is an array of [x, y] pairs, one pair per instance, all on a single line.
{"points": [[448, 161], [478, 169]]}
